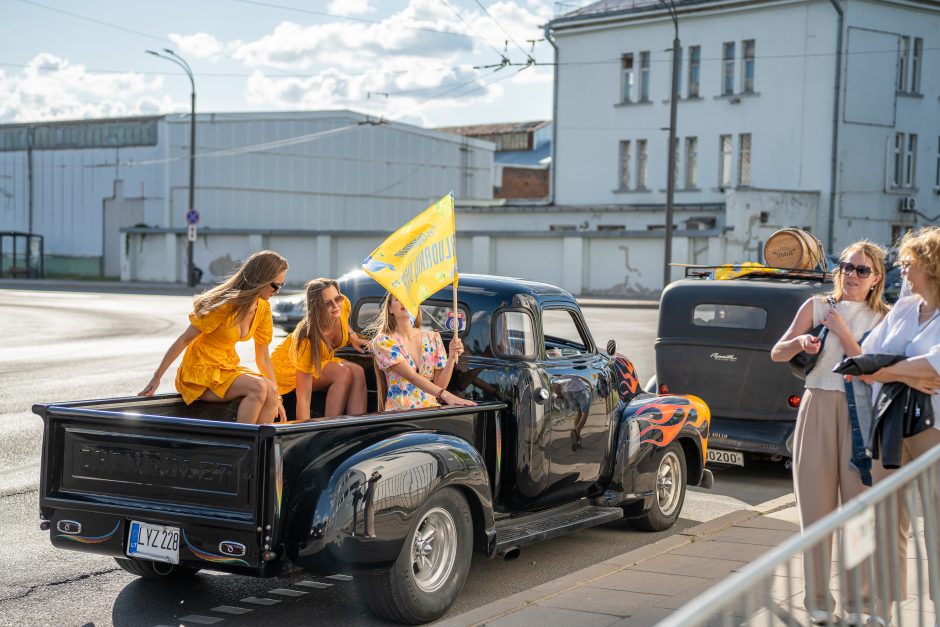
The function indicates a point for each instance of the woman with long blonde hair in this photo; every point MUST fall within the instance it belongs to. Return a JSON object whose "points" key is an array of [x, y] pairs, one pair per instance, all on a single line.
{"points": [[822, 439], [413, 363], [235, 311], [306, 362]]}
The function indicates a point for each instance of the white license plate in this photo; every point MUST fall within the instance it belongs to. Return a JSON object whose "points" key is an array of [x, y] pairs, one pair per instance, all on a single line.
{"points": [[154, 542], [716, 456]]}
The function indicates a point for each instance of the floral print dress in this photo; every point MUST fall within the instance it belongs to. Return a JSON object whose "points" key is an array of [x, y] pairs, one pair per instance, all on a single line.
{"points": [[389, 349]]}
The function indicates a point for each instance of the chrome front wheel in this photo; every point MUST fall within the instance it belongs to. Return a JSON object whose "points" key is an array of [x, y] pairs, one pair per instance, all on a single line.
{"points": [[434, 549]]}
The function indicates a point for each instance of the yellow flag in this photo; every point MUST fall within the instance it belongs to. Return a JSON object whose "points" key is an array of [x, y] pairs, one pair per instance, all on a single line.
{"points": [[419, 258]]}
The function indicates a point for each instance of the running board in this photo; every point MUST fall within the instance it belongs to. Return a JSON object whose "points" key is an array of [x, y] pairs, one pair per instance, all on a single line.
{"points": [[515, 533]]}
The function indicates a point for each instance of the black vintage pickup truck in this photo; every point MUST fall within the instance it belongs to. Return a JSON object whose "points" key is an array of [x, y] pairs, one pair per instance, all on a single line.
{"points": [[563, 438]]}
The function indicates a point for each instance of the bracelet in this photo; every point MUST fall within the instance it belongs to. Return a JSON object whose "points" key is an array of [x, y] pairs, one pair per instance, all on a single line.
{"points": [[440, 396]]}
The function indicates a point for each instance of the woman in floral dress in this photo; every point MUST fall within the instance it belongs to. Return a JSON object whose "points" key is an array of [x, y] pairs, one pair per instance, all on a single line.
{"points": [[416, 366]]}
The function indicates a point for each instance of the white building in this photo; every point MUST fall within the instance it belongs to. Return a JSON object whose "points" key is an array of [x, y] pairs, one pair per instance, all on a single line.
{"points": [[293, 176], [823, 114]]}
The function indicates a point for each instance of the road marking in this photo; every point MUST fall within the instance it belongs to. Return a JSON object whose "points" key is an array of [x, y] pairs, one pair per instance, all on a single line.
{"points": [[202, 620], [287, 592], [258, 601], [313, 584], [340, 577], [230, 609]]}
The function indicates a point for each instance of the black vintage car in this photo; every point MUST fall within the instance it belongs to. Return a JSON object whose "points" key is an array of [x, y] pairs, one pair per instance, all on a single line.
{"points": [[714, 341], [563, 438]]}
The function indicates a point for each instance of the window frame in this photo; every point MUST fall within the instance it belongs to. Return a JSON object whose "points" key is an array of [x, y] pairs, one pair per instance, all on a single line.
{"points": [[644, 83], [623, 173], [728, 53], [642, 158], [744, 160], [725, 161], [535, 333], [627, 77], [695, 72], [691, 162], [582, 328], [904, 51], [748, 65]]}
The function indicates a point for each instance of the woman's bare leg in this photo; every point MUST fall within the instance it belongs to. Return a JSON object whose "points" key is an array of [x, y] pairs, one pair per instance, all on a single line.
{"points": [[336, 380], [358, 399], [251, 392]]}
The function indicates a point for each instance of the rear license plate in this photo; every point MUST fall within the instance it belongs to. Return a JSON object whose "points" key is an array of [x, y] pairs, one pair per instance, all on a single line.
{"points": [[716, 456], [154, 542]]}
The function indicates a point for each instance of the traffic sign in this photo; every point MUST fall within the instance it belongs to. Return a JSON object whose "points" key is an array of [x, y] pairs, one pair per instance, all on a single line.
{"points": [[192, 216], [191, 234]]}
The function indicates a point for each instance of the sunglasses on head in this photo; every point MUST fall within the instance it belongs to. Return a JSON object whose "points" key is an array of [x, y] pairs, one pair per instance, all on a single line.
{"points": [[862, 272], [276, 286]]}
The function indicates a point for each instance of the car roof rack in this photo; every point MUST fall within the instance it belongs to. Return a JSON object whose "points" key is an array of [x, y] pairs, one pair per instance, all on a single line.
{"points": [[757, 273]]}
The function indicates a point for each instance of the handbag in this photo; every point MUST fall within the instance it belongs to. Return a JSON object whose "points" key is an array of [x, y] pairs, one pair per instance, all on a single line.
{"points": [[802, 363]]}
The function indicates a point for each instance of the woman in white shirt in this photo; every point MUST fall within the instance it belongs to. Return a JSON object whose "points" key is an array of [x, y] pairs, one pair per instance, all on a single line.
{"points": [[822, 440], [912, 328]]}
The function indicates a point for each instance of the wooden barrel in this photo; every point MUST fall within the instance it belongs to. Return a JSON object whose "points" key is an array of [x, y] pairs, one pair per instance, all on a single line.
{"points": [[793, 249]]}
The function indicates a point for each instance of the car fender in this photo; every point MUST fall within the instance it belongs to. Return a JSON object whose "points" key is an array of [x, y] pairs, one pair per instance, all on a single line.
{"points": [[361, 512], [645, 425]]}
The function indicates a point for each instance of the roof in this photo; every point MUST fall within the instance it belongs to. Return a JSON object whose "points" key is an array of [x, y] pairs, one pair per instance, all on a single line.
{"points": [[500, 128], [568, 10], [531, 158]]}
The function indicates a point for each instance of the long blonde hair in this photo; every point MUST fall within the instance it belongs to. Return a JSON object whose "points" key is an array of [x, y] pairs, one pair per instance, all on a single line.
{"points": [[311, 328], [243, 288], [876, 253], [924, 247]]}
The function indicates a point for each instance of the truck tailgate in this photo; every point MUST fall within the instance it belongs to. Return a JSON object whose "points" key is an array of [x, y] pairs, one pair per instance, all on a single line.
{"points": [[167, 469]]}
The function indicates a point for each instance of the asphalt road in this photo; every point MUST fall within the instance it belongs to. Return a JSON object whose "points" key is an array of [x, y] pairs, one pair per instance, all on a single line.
{"points": [[72, 345]]}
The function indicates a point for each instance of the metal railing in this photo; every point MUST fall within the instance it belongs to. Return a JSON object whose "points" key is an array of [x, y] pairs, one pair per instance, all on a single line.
{"points": [[770, 590]]}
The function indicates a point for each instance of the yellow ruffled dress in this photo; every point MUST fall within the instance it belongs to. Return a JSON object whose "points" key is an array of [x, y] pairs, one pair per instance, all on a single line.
{"points": [[210, 361], [288, 358]]}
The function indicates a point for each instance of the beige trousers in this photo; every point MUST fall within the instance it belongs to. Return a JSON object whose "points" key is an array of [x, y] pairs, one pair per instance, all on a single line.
{"points": [[913, 448], [822, 481]]}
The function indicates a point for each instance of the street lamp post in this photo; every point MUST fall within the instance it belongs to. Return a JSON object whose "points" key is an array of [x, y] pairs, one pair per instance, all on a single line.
{"points": [[671, 175], [180, 61]]}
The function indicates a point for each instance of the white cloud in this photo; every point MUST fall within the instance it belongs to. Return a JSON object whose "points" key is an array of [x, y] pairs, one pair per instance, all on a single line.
{"points": [[198, 45], [350, 7], [50, 87]]}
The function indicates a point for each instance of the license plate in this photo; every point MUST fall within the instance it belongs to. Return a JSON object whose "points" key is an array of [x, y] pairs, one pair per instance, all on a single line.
{"points": [[716, 456], [154, 542]]}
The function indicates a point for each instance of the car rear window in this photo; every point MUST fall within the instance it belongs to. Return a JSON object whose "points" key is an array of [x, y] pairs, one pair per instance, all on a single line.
{"points": [[729, 316]]}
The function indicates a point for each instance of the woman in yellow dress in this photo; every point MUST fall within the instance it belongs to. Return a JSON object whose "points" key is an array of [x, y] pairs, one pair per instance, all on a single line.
{"points": [[306, 362], [235, 311]]}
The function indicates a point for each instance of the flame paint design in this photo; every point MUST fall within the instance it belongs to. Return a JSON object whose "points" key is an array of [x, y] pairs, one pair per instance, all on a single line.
{"points": [[661, 420], [628, 383], [211, 557], [92, 539]]}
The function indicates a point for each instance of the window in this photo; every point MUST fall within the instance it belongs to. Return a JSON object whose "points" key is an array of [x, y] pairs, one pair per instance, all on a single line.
{"points": [[727, 65], [435, 316], [691, 150], [724, 161], [729, 317], [748, 46], [644, 76], [910, 161], [675, 162], [744, 159], [898, 168], [695, 61], [641, 164], [624, 172], [916, 63], [626, 87], [904, 52], [513, 334], [937, 181], [563, 337]]}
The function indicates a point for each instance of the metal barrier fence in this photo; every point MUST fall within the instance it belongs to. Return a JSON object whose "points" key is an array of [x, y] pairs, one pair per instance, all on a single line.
{"points": [[866, 572]]}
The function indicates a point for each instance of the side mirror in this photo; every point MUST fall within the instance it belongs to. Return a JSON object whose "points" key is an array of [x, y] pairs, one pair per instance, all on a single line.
{"points": [[611, 347]]}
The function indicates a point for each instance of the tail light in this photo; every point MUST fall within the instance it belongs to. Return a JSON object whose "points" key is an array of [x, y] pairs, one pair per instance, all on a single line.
{"points": [[663, 388], [793, 401]]}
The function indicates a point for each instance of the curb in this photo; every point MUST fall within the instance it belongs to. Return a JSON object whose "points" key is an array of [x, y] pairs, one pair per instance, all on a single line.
{"points": [[586, 576]]}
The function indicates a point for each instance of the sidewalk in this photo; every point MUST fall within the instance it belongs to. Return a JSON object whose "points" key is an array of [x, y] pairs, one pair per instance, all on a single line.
{"points": [[644, 586]]}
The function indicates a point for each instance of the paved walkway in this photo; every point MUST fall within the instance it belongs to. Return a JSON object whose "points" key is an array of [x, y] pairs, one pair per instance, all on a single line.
{"points": [[644, 586]]}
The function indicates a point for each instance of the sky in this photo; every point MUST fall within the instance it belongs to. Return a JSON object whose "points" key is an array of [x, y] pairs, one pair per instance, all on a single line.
{"points": [[426, 62]]}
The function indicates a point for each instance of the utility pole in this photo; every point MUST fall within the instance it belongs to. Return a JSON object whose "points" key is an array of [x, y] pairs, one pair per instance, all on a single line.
{"points": [[671, 174], [180, 61]]}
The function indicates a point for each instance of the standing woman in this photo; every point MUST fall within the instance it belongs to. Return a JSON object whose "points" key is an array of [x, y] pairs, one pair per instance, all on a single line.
{"points": [[912, 328], [235, 311], [306, 362], [822, 441], [414, 361]]}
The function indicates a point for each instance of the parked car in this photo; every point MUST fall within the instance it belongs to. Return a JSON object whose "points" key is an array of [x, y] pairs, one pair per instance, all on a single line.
{"points": [[399, 499], [288, 310], [714, 340]]}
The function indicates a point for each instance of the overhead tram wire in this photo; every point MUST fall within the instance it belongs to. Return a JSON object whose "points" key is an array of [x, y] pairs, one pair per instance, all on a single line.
{"points": [[511, 38], [501, 53]]}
